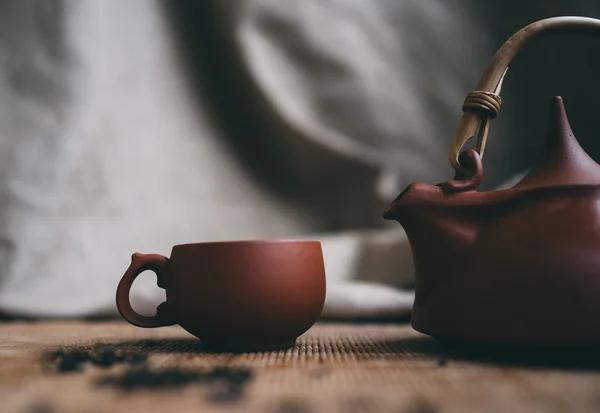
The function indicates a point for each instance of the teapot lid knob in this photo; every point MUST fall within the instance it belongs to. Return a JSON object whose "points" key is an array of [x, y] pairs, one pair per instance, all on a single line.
{"points": [[564, 162]]}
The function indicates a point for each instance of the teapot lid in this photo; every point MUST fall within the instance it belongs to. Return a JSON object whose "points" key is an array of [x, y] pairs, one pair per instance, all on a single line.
{"points": [[564, 162]]}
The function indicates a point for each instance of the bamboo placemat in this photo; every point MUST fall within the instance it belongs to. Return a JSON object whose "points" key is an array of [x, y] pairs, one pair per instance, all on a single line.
{"points": [[350, 368]]}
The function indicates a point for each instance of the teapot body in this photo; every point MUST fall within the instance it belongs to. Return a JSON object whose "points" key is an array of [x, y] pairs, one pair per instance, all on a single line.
{"points": [[531, 275], [515, 266]]}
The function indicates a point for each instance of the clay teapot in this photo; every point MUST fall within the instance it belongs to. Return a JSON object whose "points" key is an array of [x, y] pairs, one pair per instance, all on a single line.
{"points": [[514, 266]]}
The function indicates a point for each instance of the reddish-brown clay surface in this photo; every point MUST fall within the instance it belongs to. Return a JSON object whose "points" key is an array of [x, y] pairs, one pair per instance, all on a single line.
{"points": [[510, 266], [241, 295]]}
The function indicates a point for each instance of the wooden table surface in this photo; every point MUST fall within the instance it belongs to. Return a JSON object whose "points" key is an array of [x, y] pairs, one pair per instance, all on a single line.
{"points": [[350, 368]]}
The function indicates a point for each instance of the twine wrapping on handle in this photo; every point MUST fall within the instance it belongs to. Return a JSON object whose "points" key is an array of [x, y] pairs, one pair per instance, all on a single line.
{"points": [[482, 100]]}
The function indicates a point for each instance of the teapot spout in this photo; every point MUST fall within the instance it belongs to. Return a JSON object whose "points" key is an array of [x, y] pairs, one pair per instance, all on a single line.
{"points": [[394, 210], [464, 181], [424, 208], [442, 208]]}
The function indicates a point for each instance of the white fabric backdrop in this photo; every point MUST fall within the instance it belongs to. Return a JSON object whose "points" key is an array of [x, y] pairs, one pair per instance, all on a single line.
{"points": [[107, 147]]}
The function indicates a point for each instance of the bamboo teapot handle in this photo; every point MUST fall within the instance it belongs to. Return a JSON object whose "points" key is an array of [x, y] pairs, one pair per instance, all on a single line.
{"points": [[482, 105]]}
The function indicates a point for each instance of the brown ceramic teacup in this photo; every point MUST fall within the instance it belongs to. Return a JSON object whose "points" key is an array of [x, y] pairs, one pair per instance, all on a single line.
{"points": [[234, 296]]}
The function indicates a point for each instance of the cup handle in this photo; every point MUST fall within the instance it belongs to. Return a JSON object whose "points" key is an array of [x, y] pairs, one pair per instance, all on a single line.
{"points": [[139, 264]]}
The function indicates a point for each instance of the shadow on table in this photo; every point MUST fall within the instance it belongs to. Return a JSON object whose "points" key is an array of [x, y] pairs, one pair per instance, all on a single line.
{"points": [[533, 357], [418, 346], [414, 348], [424, 348]]}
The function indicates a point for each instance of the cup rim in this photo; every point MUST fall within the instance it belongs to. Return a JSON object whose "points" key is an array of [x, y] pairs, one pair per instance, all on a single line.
{"points": [[250, 242]]}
